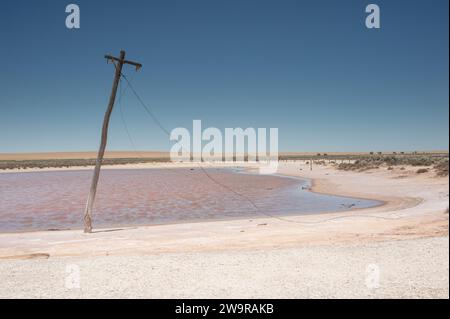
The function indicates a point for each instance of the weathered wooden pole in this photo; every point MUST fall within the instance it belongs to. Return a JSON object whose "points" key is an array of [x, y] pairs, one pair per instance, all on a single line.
{"points": [[118, 62]]}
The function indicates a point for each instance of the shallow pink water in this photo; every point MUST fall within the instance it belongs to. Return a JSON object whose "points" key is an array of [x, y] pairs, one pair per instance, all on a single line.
{"points": [[56, 200]]}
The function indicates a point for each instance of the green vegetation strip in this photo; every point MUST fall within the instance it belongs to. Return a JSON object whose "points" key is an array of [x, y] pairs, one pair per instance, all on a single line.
{"points": [[57, 163], [438, 162]]}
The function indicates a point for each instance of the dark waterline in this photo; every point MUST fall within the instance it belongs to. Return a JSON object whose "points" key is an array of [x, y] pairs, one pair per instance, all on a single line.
{"points": [[129, 197]]}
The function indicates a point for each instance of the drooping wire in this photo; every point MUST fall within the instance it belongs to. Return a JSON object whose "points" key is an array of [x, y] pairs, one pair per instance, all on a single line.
{"points": [[146, 108], [121, 93], [249, 200], [153, 116]]}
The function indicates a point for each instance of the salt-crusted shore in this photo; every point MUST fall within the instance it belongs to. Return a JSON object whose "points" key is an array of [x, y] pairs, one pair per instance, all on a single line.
{"points": [[323, 255]]}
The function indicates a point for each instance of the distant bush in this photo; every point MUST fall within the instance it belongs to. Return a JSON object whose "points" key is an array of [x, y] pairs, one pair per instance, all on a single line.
{"points": [[442, 168], [359, 165], [422, 170], [73, 162], [375, 161], [421, 161]]}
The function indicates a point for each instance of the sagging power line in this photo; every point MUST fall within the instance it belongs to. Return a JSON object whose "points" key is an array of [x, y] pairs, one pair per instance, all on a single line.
{"points": [[228, 188], [118, 64]]}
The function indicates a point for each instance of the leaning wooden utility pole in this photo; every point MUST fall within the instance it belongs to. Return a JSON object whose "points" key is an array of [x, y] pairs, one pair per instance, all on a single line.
{"points": [[118, 63]]}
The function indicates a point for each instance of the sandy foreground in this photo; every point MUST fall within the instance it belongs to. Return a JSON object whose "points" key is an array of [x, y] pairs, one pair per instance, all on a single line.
{"points": [[397, 250]]}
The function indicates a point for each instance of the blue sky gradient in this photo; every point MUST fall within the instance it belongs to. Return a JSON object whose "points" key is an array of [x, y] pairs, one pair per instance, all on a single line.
{"points": [[310, 68]]}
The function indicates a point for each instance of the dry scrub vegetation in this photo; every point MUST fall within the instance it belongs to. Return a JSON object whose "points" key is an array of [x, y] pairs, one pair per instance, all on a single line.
{"points": [[57, 163], [438, 163]]}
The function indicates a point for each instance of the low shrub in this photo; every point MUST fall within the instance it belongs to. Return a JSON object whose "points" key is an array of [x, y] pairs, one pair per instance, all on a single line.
{"points": [[370, 162], [442, 168]]}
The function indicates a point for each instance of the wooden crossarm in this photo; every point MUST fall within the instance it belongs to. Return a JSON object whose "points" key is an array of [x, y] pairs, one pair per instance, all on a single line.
{"points": [[135, 64]]}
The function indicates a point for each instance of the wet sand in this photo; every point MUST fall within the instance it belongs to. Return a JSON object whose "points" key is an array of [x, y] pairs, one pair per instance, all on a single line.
{"points": [[410, 231]]}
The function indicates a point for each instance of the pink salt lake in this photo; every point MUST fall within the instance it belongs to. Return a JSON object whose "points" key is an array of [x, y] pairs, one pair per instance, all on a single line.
{"points": [[55, 200]]}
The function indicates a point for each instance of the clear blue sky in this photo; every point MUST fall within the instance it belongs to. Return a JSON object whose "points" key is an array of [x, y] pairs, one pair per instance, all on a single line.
{"points": [[310, 68]]}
